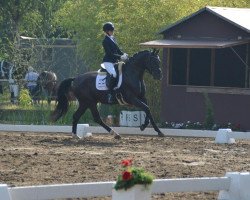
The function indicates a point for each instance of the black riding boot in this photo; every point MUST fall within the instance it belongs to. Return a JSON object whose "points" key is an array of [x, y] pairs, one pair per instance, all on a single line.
{"points": [[111, 85]]}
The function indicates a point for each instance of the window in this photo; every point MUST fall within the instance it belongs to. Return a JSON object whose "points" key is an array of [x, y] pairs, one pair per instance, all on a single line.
{"points": [[200, 65], [179, 66], [229, 70]]}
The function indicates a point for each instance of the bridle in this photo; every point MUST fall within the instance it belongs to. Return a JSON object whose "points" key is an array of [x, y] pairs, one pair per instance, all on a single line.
{"points": [[149, 62]]}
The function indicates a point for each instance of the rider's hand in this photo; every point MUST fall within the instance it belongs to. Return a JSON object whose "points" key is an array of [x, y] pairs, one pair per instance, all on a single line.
{"points": [[124, 57]]}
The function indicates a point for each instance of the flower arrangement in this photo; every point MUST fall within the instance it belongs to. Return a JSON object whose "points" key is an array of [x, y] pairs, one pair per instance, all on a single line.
{"points": [[131, 176]]}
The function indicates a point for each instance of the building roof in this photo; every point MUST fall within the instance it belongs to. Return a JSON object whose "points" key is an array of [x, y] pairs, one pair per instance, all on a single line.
{"points": [[193, 43], [239, 17], [28, 41]]}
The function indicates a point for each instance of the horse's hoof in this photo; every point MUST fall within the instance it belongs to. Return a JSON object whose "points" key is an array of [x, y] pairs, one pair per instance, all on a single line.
{"points": [[142, 128], [117, 137], [112, 132], [160, 134], [74, 136]]}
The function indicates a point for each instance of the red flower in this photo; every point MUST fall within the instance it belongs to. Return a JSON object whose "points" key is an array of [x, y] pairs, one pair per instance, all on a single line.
{"points": [[126, 163], [126, 176]]}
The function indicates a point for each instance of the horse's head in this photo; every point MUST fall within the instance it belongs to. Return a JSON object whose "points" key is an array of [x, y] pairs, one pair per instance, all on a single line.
{"points": [[146, 60], [153, 64], [6, 69], [47, 80]]}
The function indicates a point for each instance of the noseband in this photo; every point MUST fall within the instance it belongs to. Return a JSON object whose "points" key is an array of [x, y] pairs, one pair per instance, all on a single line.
{"points": [[149, 65]]}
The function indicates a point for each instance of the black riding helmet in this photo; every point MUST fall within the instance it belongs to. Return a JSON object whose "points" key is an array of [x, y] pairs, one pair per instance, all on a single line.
{"points": [[108, 26]]}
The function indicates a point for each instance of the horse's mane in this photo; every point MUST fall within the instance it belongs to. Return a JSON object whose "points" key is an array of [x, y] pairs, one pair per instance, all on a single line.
{"points": [[137, 56]]}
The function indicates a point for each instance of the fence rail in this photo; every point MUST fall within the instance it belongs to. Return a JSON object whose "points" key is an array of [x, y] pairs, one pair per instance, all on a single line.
{"points": [[100, 189], [234, 186]]}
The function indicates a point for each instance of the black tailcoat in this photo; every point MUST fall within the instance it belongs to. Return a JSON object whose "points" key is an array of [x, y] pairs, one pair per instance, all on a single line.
{"points": [[112, 51]]}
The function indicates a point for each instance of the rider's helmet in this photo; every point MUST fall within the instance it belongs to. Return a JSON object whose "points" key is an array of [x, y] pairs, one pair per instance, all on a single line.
{"points": [[108, 26]]}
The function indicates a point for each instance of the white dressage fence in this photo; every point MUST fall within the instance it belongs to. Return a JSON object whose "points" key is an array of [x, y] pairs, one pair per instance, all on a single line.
{"points": [[221, 136], [234, 186]]}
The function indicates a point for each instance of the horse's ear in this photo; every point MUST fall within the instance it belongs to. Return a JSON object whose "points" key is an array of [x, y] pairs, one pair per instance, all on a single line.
{"points": [[155, 51]]}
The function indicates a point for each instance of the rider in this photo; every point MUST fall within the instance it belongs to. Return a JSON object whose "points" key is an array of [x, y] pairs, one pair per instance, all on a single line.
{"points": [[112, 55]]}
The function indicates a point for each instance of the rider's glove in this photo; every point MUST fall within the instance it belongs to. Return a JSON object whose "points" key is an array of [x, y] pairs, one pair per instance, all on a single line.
{"points": [[124, 57]]}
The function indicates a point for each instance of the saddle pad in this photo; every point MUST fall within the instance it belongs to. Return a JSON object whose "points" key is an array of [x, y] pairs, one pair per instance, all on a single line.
{"points": [[101, 82]]}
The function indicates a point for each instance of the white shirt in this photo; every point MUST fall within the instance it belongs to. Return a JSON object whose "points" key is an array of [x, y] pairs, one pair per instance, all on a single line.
{"points": [[112, 38], [31, 78]]}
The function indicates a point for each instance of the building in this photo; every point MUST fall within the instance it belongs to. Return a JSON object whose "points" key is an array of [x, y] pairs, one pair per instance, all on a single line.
{"points": [[207, 54]]}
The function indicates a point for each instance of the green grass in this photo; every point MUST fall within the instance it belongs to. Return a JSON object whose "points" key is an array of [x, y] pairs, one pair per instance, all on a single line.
{"points": [[26, 113], [38, 114]]}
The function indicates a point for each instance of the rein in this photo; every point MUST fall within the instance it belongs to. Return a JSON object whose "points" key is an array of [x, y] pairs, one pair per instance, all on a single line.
{"points": [[139, 57]]}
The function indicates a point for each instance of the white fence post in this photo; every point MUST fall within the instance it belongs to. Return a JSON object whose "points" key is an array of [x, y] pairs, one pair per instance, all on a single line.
{"points": [[4, 192], [81, 130], [239, 187], [223, 137]]}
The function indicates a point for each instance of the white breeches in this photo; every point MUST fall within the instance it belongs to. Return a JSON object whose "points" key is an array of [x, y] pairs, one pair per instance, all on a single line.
{"points": [[109, 67]]}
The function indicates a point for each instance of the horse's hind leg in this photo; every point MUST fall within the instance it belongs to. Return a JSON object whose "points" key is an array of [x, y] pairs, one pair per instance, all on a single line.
{"points": [[146, 122], [76, 116], [98, 120]]}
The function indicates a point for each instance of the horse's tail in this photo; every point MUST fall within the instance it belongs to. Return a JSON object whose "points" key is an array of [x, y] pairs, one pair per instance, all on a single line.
{"points": [[62, 99]]}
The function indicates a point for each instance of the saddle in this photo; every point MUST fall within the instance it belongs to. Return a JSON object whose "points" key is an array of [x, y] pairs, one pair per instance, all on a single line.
{"points": [[103, 75]]}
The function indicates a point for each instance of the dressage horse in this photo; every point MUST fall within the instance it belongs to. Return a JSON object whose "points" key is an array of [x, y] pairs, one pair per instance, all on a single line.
{"points": [[46, 86], [132, 91]]}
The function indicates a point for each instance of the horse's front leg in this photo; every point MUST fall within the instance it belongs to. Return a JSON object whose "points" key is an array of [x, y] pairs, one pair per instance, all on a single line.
{"points": [[146, 122], [140, 104], [97, 118]]}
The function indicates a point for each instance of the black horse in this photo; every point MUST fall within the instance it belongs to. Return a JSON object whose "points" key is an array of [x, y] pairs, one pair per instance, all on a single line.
{"points": [[132, 91], [46, 86]]}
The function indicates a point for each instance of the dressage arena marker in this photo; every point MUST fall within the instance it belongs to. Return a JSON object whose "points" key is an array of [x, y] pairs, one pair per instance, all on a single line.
{"points": [[234, 186], [221, 136]]}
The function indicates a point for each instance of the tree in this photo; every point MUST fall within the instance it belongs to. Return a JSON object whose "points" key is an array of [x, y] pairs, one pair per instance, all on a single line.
{"points": [[29, 18]]}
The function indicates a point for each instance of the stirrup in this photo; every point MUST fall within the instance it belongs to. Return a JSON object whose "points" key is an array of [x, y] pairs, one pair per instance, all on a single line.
{"points": [[110, 98]]}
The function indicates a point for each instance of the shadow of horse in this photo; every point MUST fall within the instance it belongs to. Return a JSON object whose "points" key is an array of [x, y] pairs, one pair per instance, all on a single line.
{"points": [[86, 142], [46, 87]]}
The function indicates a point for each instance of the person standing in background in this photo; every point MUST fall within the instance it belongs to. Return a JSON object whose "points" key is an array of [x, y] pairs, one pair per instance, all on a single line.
{"points": [[31, 79]]}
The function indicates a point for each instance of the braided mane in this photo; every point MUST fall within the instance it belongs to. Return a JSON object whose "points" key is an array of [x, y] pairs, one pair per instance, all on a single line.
{"points": [[137, 56]]}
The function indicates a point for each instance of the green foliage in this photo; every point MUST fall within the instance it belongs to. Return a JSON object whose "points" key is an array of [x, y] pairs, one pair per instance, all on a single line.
{"points": [[131, 176], [38, 114], [135, 21], [24, 98], [209, 117], [139, 177], [25, 18]]}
